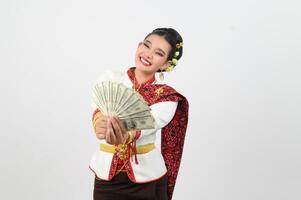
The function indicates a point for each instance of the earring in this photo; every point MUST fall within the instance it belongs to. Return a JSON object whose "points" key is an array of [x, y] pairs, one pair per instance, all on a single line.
{"points": [[161, 75]]}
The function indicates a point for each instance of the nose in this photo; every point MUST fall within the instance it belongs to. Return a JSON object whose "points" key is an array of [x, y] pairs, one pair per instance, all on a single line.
{"points": [[148, 54]]}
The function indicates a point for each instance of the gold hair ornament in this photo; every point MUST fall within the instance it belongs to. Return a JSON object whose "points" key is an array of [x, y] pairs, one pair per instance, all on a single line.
{"points": [[169, 68], [174, 61], [179, 45]]}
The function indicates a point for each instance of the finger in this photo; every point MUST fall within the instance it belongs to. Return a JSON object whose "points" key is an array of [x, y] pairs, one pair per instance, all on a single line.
{"points": [[117, 130], [101, 123], [121, 125], [100, 127], [100, 136], [110, 135], [115, 125], [120, 136], [99, 130], [108, 138], [122, 128]]}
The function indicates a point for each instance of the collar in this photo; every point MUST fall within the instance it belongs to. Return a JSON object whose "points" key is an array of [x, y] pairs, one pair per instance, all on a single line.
{"points": [[132, 77]]}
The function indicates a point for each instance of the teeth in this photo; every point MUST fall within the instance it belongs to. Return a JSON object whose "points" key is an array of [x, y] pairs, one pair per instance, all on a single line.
{"points": [[144, 61]]}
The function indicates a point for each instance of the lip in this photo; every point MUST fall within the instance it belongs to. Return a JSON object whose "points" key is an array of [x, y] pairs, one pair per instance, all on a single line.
{"points": [[144, 61]]}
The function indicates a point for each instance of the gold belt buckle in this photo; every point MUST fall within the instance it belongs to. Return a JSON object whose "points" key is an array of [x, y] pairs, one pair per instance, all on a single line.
{"points": [[121, 151]]}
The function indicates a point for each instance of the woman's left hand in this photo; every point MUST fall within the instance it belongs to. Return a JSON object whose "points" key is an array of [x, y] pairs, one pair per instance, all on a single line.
{"points": [[116, 133]]}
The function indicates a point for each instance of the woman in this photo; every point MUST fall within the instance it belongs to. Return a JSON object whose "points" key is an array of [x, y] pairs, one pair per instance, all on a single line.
{"points": [[128, 165]]}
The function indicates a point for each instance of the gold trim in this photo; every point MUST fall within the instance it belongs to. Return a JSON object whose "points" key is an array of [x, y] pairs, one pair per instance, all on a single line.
{"points": [[139, 149]]}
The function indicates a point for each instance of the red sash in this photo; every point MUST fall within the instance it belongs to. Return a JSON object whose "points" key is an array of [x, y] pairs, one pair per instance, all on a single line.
{"points": [[173, 134]]}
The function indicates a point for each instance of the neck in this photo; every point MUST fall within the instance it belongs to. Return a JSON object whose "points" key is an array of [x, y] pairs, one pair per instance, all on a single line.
{"points": [[142, 77]]}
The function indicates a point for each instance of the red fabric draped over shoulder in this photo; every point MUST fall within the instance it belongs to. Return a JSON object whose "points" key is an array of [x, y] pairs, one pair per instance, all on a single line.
{"points": [[173, 134]]}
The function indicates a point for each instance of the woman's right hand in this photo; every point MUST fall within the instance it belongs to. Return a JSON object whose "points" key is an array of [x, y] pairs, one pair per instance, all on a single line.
{"points": [[101, 127]]}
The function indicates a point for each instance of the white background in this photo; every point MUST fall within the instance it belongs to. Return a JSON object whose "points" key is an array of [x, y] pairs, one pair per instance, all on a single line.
{"points": [[240, 71]]}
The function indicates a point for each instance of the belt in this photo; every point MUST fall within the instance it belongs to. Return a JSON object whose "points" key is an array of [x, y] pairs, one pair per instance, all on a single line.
{"points": [[139, 149]]}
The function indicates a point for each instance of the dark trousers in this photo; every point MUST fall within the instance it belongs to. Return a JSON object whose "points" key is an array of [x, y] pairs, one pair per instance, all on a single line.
{"points": [[121, 188]]}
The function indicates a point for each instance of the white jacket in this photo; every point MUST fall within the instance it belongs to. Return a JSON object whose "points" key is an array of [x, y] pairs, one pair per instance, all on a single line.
{"points": [[150, 165]]}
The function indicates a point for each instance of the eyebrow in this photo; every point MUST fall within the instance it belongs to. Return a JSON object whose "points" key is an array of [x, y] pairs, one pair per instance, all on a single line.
{"points": [[147, 41]]}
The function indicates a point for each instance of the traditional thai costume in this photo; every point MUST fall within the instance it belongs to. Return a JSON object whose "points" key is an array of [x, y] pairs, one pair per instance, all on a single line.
{"points": [[143, 172]]}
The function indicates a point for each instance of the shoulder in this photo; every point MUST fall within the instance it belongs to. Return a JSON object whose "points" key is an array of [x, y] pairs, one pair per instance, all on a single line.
{"points": [[169, 93], [156, 93], [165, 90]]}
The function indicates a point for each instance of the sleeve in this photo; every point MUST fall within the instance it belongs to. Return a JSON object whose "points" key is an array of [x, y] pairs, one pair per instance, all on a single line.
{"points": [[163, 113]]}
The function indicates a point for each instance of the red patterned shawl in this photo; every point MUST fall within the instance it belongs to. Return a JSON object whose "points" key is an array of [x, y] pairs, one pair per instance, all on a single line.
{"points": [[173, 134]]}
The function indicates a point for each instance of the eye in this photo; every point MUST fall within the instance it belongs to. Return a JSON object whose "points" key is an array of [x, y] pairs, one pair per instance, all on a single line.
{"points": [[145, 44], [160, 54]]}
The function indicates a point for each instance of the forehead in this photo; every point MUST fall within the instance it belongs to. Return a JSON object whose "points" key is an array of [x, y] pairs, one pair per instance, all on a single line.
{"points": [[158, 41]]}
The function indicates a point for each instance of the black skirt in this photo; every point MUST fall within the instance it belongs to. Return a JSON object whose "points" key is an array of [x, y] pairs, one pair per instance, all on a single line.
{"points": [[121, 187]]}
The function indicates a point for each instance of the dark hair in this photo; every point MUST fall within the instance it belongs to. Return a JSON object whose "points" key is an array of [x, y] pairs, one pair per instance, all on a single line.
{"points": [[172, 37]]}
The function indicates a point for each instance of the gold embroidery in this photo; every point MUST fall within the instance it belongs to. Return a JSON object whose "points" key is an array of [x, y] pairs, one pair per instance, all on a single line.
{"points": [[121, 151], [159, 91]]}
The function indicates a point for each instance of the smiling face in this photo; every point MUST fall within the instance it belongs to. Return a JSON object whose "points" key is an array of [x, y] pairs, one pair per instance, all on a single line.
{"points": [[152, 54]]}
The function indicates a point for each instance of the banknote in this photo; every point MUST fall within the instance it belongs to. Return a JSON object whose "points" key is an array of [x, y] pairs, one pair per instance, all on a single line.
{"points": [[138, 123], [115, 99], [134, 115]]}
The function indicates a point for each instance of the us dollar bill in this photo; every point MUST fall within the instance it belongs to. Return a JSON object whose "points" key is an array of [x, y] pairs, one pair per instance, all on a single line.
{"points": [[138, 123], [115, 99]]}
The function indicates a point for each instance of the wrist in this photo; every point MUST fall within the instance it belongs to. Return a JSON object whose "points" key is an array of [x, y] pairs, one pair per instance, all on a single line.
{"points": [[95, 118]]}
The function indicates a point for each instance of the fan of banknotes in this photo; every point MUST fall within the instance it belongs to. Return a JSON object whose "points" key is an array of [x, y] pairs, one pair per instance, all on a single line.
{"points": [[115, 99]]}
